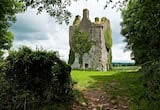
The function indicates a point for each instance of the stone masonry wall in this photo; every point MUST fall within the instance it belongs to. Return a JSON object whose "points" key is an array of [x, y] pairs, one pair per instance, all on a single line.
{"points": [[96, 58]]}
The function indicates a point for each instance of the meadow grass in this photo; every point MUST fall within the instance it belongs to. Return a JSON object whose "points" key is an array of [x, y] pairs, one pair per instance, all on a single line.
{"points": [[87, 79], [91, 79], [121, 84]]}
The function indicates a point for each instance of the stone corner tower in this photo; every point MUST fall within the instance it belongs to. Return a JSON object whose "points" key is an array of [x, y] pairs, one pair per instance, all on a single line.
{"points": [[87, 42]]}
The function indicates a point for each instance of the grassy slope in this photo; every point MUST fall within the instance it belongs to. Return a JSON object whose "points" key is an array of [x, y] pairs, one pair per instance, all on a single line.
{"points": [[121, 84]]}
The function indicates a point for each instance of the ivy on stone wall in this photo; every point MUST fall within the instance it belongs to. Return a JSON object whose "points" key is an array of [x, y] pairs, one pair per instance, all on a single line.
{"points": [[110, 59], [80, 44], [71, 57], [108, 37], [108, 42]]}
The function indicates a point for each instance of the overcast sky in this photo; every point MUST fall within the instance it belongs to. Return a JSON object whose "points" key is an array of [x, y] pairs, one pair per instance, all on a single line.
{"points": [[41, 31]]}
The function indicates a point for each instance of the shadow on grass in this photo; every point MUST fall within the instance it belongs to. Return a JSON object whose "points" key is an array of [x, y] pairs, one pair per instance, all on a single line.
{"points": [[118, 79], [121, 86], [124, 86]]}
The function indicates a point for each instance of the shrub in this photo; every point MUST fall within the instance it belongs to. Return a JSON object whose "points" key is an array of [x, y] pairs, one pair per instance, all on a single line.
{"points": [[151, 81], [149, 98], [35, 78]]}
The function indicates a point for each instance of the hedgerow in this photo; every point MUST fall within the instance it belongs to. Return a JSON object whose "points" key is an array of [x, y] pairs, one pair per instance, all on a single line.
{"points": [[33, 79]]}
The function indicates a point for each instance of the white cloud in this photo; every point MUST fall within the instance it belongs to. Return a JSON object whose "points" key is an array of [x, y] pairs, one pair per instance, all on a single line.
{"points": [[119, 55], [41, 30]]}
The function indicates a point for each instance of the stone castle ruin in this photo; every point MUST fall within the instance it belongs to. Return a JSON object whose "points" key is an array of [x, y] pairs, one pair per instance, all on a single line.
{"points": [[90, 43]]}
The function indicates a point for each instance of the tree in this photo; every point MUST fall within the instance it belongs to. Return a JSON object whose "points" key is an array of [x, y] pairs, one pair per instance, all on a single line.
{"points": [[5, 43], [119, 4], [55, 8], [81, 44], [7, 15], [140, 27]]}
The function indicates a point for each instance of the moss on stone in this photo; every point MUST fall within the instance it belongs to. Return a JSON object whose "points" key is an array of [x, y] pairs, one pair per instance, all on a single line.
{"points": [[97, 20], [76, 20]]}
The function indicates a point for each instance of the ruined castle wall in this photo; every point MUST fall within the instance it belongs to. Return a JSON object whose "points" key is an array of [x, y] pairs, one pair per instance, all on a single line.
{"points": [[76, 64], [71, 29], [104, 58], [96, 48], [85, 23], [96, 57]]}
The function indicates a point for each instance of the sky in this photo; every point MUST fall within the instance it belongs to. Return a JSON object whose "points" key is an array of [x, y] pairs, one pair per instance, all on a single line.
{"points": [[41, 31]]}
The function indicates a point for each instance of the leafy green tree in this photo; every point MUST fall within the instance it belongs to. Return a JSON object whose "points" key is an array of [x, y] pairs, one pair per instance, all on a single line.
{"points": [[5, 43], [55, 8], [140, 27], [81, 44], [7, 15]]}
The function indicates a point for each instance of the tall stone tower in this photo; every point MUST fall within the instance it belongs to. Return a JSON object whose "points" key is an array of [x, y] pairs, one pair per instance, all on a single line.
{"points": [[89, 48]]}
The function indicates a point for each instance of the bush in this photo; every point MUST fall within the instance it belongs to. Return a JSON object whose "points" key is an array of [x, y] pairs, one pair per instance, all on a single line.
{"points": [[151, 82], [34, 79], [149, 98]]}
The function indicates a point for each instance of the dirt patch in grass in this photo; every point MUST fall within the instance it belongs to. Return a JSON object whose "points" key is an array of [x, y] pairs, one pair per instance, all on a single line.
{"points": [[97, 99]]}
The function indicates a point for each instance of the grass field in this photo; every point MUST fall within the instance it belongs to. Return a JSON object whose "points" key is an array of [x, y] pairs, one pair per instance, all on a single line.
{"points": [[121, 84]]}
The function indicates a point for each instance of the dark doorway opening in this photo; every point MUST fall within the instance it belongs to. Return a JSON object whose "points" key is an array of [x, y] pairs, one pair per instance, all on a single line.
{"points": [[86, 65]]}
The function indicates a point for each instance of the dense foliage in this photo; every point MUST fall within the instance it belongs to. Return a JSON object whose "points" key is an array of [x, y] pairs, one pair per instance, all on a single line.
{"points": [[5, 43], [7, 15], [151, 82], [80, 45], [33, 79], [140, 27], [108, 37], [108, 42]]}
